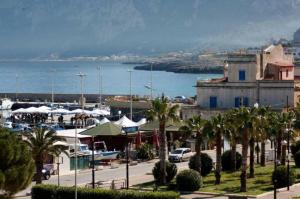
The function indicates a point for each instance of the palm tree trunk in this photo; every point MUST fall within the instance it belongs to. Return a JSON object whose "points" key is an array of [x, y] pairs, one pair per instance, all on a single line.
{"points": [[262, 154], [218, 157], [162, 153], [243, 176], [39, 168], [198, 152], [283, 157], [252, 147], [257, 153], [233, 154], [279, 139]]}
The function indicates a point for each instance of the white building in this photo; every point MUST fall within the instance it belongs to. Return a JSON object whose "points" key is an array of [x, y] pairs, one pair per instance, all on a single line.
{"points": [[266, 78]]}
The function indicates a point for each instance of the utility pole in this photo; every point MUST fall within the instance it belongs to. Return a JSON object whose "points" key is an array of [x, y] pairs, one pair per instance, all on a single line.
{"points": [[130, 71], [151, 83], [17, 85], [52, 85], [99, 68], [81, 75]]}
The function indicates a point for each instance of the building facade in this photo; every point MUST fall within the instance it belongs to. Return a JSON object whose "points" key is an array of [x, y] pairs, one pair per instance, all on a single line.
{"points": [[266, 78]]}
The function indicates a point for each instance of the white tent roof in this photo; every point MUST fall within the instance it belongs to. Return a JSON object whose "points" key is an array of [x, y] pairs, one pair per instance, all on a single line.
{"points": [[104, 120], [142, 121], [100, 112], [60, 111], [20, 110], [125, 122], [80, 111], [70, 133]]}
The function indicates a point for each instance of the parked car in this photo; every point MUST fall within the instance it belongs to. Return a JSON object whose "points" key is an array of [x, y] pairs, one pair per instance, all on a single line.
{"points": [[45, 174], [180, 155]]}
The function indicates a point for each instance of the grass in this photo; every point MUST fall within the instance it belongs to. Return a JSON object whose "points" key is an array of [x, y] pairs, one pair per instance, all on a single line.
{"points": [[230, 182]]}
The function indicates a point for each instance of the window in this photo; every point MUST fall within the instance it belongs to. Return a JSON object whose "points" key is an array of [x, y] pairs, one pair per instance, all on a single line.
{"points": [[241, 101], [242, 75], [287, 73], [213, 102]]}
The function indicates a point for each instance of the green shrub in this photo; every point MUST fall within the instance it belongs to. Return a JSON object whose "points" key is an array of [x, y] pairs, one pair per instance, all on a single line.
{"points": [[295, 147], [171, 169], [188, 180], [226, 161], [297, 159], [206, 164], [145, 152], [281, 176], [52, 191]]}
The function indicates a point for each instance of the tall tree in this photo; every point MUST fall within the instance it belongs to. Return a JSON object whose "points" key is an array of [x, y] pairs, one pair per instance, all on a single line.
{"points": [[218, 129], [164, 112], [232, 134], [196, 125], [243, 116], [42, 143], [16, 164]]}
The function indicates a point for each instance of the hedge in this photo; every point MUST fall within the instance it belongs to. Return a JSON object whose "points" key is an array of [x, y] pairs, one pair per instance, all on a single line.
{"points": [[55, 192]]}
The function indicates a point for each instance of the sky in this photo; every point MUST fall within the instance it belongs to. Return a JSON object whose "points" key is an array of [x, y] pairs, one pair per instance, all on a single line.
{"points": [[66, 28]]}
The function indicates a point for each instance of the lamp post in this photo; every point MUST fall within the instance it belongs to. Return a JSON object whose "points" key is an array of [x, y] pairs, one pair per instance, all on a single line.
{"points": [[81, 75], [151, 82], [93, 162], [288, 131], [127, 162], [99, 68], [273, 138], [119, 113]]}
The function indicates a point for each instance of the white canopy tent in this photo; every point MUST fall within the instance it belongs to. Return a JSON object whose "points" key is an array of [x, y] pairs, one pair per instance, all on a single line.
{"points": [[104, 120], [78, 111], [60, 111], [125, 122], [142, 121], [100, 112]]}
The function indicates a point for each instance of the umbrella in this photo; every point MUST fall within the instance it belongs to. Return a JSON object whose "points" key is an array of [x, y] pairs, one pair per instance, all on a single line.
{"points": [[107, 129], [155, 139], [138, 140]]}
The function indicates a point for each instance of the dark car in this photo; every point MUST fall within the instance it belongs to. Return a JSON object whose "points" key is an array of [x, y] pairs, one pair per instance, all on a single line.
{"points": [[45, 175]]}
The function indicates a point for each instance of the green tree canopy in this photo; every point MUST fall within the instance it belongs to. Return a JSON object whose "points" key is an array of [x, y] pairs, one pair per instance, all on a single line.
{"points": [[16, 164]]}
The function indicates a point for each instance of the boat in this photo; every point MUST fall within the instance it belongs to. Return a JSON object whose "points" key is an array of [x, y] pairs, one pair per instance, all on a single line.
{"points": [[5, 104], [103, 153]]}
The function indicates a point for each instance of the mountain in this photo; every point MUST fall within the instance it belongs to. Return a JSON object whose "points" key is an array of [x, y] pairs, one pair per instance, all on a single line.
{"points": [[34, 28]]}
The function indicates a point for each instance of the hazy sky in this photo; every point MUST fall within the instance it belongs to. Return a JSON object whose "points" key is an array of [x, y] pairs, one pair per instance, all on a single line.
{"points": [[36, 28]]}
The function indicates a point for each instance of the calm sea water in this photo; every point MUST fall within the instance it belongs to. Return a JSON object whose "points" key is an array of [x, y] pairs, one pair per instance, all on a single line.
{"points": [[36, 77]]}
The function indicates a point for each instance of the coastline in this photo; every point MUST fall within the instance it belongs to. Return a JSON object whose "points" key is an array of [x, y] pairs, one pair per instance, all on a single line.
{"points": [[180, 68]]}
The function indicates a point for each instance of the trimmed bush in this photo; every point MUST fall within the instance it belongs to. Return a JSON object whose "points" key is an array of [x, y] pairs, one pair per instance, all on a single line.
{"points": [[281, 176], [206, 164], [226, 160], [297, 159], [145, 152], [188, 180], [295, 147], [52, 191], [171, 169]]}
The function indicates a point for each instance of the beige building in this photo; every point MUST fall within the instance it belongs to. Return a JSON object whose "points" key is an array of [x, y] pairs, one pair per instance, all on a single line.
{"points": [[266, 78]]}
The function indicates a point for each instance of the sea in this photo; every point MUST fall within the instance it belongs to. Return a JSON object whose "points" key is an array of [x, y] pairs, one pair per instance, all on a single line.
{"points": [[62, 77]]}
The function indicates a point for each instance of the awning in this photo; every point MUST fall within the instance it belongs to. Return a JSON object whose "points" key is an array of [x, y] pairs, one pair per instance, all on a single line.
{"points": [[106, 129]]}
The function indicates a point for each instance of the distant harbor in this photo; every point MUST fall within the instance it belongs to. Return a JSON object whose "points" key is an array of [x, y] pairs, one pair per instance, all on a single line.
{"points": [[42, 77]]}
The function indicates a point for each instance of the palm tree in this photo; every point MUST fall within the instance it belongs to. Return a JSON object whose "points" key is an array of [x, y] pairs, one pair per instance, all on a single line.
{"points": [[232, 134], [42, 143], [164, 112], [253, 125], [243, 117], [196, 125], [218, 129]]}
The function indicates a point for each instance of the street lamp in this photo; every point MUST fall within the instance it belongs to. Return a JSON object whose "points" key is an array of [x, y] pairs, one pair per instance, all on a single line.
{"points": [[99, 68], [119, 113], [273, 138]]}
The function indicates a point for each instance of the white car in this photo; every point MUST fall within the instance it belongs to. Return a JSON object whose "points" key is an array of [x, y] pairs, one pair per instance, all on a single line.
{"points": [[180, 155]]}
